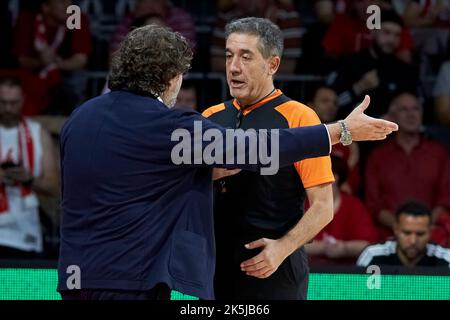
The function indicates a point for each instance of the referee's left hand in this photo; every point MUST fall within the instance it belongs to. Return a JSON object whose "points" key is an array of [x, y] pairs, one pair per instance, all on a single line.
{"points": [[267, 261]]}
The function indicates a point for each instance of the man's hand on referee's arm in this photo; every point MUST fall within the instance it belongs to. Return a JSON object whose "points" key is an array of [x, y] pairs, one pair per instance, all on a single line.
{"points": [[219, 173]]}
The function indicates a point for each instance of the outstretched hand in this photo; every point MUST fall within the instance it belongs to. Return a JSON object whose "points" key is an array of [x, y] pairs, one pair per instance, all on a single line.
{"points": [[364, 128]]}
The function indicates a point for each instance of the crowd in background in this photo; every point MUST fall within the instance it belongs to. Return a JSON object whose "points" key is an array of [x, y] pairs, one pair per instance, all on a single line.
{"points": [[331, 60]]}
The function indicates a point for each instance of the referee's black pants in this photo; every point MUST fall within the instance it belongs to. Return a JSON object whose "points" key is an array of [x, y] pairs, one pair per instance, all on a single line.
{"points": [[288, 282]]}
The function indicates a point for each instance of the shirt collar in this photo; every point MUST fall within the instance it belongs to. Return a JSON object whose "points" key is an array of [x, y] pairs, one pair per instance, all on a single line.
{"points": [[250, 108]]}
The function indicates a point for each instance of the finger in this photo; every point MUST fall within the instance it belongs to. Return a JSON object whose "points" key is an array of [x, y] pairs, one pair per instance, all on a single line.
{"points": [[380, 123], [363, 106], [385, 127], [256, 244], [260, 273], [268, 274], [255, 267], [378, 138], [381, 133], [218, 173], [232, 172], [373, 137], [257, 259]]}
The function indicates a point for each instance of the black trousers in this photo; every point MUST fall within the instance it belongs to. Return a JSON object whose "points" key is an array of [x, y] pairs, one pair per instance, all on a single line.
{"points": [[160, 292], [289, 282]]}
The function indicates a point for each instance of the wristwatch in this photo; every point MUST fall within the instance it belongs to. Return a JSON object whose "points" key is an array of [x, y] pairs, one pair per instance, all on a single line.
{"points": [[346, 136]]}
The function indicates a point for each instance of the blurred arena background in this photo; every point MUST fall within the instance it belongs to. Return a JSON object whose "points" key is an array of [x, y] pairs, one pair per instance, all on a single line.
{"points": [[327, 64]]}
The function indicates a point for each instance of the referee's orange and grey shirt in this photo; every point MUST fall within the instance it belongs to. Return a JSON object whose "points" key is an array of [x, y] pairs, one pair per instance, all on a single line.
{"points": [[268, 203]]}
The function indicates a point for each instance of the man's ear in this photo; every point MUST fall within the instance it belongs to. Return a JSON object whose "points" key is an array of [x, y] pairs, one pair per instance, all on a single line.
{"points": [[274, 64], [175, 81]]}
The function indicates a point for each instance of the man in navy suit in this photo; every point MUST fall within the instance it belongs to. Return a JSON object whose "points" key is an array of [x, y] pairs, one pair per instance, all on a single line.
{"points": [[135, 225]]}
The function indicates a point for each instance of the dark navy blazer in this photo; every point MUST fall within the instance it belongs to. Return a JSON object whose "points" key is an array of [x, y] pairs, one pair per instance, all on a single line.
{"points": [[130, 217]]}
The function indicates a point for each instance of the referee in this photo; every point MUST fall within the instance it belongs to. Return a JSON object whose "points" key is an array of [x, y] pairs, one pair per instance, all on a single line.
{"points": [[260, 226]]}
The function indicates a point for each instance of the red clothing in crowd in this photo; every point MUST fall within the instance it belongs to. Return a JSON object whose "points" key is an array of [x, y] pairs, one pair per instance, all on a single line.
{"points": [[347, 35], [75, 41], [26, 36], [443, 19], [352, 221], [394, 177]]}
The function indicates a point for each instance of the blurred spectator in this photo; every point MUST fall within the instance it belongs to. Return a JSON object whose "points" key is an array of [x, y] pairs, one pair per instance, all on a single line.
{"points": [[28, 167], [313, 59], [427, 13], [409, 166], [173, 17], [52, 54], [351, 230], [411, 247], [187, 97], [349, 34], [375, 71], [282, 13], [430, 20], [324, 103], [441, 95]]}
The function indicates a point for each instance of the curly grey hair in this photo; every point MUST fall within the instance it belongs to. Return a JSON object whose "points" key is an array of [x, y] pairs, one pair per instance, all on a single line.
{"points": [[148, 59]]}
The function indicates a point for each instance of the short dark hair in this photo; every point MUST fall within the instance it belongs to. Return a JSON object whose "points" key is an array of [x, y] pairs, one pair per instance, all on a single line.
{"points": [[148, 59], [413, 208], [10, 81], [270, 35], [391, 16]]}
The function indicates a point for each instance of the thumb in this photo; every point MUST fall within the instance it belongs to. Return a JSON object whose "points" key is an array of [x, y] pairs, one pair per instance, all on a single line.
{"points": [[256, 244], [363, 106]]}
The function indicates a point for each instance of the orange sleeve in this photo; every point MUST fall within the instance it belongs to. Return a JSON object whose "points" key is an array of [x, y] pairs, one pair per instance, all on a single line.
{"points": [[211, 110], [314, 171]]}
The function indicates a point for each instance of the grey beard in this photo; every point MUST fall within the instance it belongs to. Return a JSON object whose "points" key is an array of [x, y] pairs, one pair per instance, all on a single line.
{"points": [[171, 103]]}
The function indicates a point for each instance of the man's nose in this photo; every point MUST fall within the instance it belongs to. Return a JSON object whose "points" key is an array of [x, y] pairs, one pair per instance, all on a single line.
{"points": [[413, 239]]}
